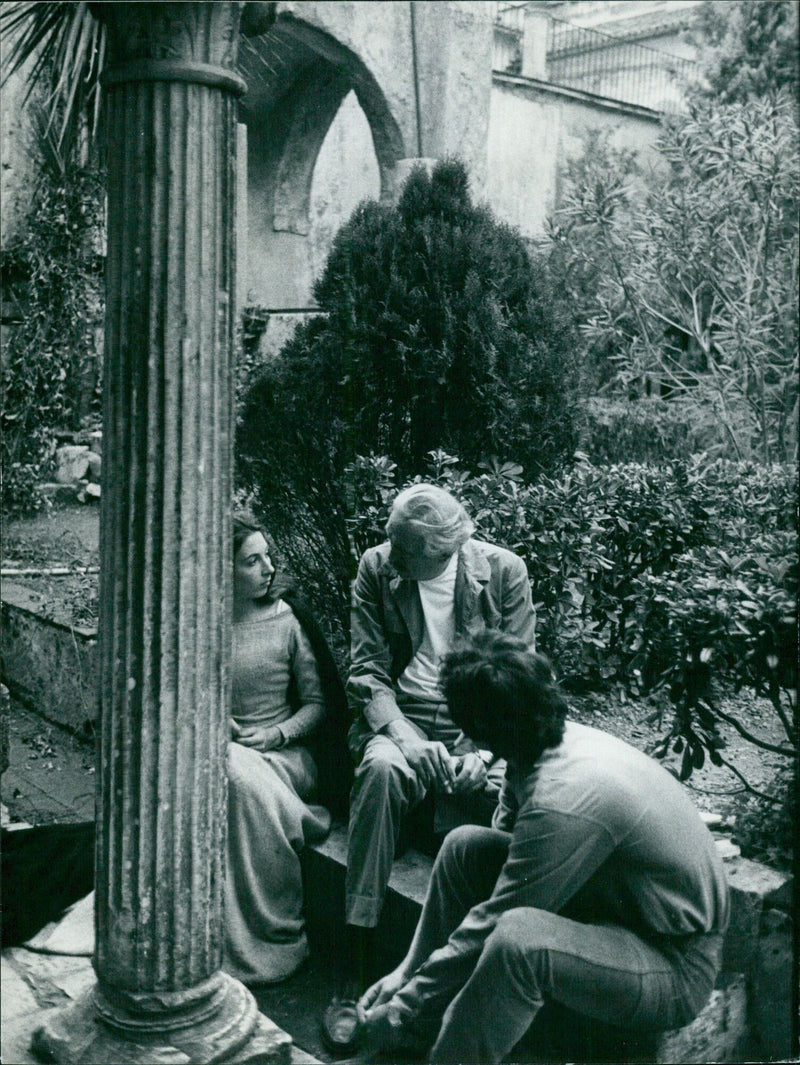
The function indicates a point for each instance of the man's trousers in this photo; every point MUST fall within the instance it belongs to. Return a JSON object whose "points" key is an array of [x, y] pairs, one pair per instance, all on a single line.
{"points": [[385, 790], [602, 971]]}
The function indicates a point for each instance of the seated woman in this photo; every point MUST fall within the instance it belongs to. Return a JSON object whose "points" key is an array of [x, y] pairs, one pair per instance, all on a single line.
{"points": [[285, 694]]}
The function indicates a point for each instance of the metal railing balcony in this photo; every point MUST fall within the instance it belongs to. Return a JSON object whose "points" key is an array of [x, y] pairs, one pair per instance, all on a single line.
{"points": [[575, 57]]}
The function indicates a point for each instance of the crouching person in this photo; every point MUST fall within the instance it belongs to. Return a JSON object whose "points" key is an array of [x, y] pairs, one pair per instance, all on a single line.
{"points": [[598, 886]]}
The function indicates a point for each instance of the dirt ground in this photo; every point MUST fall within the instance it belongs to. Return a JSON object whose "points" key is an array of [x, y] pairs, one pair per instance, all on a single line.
{"points": [[68, 537]]}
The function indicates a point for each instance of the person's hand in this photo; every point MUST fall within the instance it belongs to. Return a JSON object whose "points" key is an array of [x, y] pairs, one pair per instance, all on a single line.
{"points": [[430, 760], [236, 728], [470, 773], [382, 990], [259, 737], [382, 1028]]}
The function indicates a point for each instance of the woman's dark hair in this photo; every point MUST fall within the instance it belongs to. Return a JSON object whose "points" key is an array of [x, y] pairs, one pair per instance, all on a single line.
{"points": [[504, 696]]}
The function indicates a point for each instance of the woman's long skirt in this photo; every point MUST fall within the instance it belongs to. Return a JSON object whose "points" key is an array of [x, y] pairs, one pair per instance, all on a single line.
{"points": [[269, 823]]}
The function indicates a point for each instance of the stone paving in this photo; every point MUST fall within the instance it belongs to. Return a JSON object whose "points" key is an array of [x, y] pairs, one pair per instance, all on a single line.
{"points": [[50, 779]]}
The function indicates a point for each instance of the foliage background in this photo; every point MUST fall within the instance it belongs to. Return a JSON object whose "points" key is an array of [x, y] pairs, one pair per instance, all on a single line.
{"points": [[52, 362]]}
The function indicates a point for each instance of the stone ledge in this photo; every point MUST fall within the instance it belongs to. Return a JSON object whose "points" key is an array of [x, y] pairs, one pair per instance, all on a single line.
{"points": [[46, 663], [755, 889], [719, 1033]]}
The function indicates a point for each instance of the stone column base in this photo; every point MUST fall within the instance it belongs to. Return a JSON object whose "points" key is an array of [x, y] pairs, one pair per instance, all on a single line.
{"points": [[174, 1028]]}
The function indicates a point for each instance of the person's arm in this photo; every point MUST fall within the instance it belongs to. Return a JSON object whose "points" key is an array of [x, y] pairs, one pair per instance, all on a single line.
{"points": [[505, 813], [369, 684], [311, 710], [551, 857], [516, 606]]}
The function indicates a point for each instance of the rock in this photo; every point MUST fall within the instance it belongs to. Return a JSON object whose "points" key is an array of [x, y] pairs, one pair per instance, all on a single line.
{"points": [[95, 465], [726, 849], [711, 820], [754, 887], [72, 463], [772, 987], [719, 1033]]}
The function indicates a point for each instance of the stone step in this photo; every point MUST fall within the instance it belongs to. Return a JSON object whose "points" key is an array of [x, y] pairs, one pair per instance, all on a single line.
{"points": [[324, 867]]}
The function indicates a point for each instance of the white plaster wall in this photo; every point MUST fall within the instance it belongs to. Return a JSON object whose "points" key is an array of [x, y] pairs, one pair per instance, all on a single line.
{"points": [[346, 173], [532, 133], [281, 266]]}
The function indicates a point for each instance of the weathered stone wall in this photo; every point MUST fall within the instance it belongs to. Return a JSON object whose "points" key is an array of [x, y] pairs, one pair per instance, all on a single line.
{"points": [[49, 664], [533, 132], [16, 185], [372, 86], [367, 88]]}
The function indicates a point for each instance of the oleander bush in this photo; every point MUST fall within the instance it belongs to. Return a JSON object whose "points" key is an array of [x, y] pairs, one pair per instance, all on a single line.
{"points": [[648, 430]]}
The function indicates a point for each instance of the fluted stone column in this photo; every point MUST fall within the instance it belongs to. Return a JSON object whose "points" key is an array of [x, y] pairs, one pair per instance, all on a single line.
{"points": [[165, 553]]}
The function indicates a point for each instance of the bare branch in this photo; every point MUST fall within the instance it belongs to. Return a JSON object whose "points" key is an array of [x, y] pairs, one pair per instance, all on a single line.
{"points": [[747, 785], [765, 745]]}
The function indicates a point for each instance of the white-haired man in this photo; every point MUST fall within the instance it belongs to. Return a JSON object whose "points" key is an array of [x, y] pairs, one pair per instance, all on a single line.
{"points": [[414, 595]]}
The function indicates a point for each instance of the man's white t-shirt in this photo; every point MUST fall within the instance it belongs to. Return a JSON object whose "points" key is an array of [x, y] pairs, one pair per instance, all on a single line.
{"points": [[420, 678]]}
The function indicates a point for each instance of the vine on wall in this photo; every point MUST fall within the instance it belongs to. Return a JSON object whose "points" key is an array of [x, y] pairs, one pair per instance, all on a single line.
{"points": [[53, 271]]}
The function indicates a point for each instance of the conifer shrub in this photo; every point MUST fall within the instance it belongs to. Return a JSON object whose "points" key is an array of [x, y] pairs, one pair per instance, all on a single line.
{"points": [[439, 331]]}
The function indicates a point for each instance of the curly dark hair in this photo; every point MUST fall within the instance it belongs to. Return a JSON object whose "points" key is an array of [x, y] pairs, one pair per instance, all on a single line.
{"points": [[504, 696]]}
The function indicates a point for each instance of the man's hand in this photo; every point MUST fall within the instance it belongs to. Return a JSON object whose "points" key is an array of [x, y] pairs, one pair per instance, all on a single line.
{"points": [[382, 990], [383, 1031], [429, 759], [470, 773], [259, 737]]}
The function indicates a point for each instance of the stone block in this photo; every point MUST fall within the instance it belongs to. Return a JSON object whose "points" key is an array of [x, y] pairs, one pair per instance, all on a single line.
{"points": [[72, 463], [773, 887], [323, 872], [754, 887], [95, 466], [48, 664], [720, 1032], [771, 1000]]}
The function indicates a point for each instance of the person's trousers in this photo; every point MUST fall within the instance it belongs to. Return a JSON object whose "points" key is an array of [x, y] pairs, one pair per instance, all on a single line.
{"points": [[602, 971], [385, 790]]}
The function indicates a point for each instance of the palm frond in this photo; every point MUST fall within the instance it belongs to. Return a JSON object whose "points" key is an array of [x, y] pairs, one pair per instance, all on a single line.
{"points": [[66, 46]]}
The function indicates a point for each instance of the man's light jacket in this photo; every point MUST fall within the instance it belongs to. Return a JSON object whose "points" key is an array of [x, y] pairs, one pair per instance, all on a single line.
{"points": [[492, 591]]}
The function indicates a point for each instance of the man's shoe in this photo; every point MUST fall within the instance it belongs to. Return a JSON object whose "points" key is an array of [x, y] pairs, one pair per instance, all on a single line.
{"points": [[340, 1027]]}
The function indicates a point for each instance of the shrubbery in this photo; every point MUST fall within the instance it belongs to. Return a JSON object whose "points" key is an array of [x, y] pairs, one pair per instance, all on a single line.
{"points": [[680, 578], [438, 331], [51, 365], [684, 281], [649, 430]]}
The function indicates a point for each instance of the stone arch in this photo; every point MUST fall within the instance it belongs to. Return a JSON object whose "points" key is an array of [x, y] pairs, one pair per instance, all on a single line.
{"points": [[298, 76], [321, 71]]}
